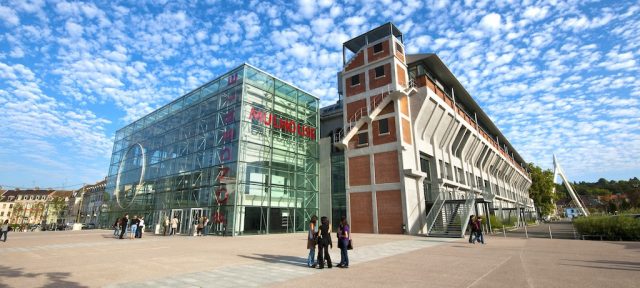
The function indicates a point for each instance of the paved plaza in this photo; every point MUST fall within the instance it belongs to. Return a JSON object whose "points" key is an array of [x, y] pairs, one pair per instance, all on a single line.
{"points": [[94, 258]]}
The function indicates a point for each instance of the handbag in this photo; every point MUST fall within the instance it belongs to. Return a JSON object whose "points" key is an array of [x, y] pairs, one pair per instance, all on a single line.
{"points": [[350, 245]]}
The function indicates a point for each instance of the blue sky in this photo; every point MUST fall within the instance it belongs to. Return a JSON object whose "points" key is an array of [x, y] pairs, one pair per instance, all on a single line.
{"points": [[555, 76]]}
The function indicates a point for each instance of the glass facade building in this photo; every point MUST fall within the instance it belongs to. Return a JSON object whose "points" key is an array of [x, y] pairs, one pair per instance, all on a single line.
{"points": [[241, 150]]}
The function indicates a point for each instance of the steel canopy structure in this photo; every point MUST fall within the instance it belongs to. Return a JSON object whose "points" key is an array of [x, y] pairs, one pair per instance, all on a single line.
{"points": [[558, 171]]}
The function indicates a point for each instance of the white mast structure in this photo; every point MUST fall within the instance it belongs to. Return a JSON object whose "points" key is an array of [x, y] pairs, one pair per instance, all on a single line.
{"points": [[558, 171]]}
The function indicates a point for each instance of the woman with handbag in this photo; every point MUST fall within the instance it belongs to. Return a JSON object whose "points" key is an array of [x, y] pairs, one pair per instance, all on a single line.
{"points": [[344, 237], [312, 240]]}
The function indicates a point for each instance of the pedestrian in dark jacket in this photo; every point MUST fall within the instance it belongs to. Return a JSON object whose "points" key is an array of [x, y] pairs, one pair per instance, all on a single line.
{"points": [[471, 224], [324, 242], [123, 225]]}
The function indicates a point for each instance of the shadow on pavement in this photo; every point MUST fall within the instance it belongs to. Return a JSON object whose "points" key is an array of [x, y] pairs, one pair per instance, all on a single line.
{"points": [[291, 260], [55, 279]]}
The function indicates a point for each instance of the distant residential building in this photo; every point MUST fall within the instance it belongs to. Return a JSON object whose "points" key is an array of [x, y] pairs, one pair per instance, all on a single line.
{"points": [[57, 207], [6, 206], [92, 199], [29, 206]]}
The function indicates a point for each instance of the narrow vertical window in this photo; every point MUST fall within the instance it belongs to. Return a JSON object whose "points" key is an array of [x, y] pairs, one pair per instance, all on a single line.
{"points": [[363, 139], [383, 126], [379, 71]]}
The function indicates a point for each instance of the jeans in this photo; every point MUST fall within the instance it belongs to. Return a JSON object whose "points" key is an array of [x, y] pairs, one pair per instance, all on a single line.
{"points": [[4, 233], [344, 254], [116, 231], [479, 237], [312, 254]]}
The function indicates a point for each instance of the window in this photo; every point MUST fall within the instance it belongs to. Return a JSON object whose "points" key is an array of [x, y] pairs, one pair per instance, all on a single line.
{"points": [[355, 80], [363, 139], [398, 47], [383, 125], [377, 48], [379, 71]]}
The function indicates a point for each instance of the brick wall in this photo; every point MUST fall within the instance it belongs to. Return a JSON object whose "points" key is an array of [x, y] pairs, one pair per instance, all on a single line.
{"points": [[356, 62], [401, 75], [406, 131], [386, 167], [357, 89], [361, 212], [389, 205], [387, 138], [384, 53], [356, 106], [359, 171], [381, 81]]}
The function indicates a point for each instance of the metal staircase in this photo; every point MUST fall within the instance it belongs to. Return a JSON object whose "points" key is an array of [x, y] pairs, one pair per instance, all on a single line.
{"points": [[449, 217], [364, 115]]}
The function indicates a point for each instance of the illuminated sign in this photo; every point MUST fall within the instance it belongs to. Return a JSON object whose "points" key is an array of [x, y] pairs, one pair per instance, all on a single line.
{"points": [[286, 125]]}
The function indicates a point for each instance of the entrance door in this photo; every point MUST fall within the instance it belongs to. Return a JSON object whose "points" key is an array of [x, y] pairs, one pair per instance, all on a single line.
{"points": [[194, 215], [177, 213]]}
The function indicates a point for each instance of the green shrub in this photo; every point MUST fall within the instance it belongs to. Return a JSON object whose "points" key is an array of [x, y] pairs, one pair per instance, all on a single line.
{"points": [[497, 223], [610, 227]]}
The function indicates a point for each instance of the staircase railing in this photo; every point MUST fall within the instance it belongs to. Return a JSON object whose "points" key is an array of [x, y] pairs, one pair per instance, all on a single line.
{"points": [[436, 209], [469, 204]]}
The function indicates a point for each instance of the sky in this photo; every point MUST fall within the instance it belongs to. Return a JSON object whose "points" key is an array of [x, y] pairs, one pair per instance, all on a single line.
{"points": [[555, 76]]}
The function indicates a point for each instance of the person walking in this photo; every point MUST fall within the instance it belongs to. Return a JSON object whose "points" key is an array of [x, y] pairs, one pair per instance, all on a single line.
{"points": [[312, 239], [206, 226], [200, 226], [4, 230], [174, 225], [165, 225], [116, 227], [478, 227], [344, 235], [140, 229], [134, 227], [472, 231], [123, 225], [324, 242]]}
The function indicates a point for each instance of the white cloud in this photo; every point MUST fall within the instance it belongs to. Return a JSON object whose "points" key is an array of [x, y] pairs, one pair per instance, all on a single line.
{"points": [[491, 22], [535, 13], [74, 29], [307, 8], [9, 16]]}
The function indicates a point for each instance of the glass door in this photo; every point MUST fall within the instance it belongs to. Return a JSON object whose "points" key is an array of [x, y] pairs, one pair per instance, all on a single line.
{"points": [[177, 213], [194, 216]]}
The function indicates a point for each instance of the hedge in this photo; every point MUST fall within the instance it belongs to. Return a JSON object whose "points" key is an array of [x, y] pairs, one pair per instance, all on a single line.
{"points": [[624, 228]]}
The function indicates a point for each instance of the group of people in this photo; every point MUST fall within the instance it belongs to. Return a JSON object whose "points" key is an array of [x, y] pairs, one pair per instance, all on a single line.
{"points": [[320, 236], [135, 227], [475, 226], [170, 226]]}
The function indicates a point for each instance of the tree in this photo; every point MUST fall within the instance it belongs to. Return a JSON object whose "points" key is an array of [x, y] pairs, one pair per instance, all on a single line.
{"points": [[58, 205], [541, 190]]}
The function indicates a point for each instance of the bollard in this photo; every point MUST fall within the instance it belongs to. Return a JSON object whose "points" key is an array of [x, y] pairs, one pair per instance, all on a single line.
{"points": [[525, 231], [550, 235], [504, 233]]}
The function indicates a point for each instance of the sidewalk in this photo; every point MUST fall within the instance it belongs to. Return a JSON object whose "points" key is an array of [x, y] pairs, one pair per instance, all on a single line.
{"points": [[95, 259]]}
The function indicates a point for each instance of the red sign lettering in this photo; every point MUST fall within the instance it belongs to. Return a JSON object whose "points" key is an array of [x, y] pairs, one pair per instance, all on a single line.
{"points": [[286, 125]]}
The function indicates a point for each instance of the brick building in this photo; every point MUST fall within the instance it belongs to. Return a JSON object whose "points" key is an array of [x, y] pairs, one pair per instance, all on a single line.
{"points": [[420, 155]]}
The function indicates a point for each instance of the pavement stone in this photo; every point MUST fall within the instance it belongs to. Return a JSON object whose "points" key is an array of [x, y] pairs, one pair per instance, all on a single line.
{"points": [[92, 258]]}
